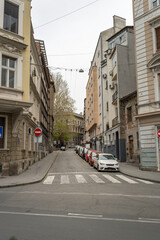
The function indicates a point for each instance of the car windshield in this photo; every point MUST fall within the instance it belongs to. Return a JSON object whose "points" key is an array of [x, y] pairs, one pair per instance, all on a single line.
{"points": [[106, 157]]}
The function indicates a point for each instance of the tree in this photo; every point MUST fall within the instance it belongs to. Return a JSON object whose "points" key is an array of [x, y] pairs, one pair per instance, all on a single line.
{"points": [[63, 103], [63, 110], [61, 132]]}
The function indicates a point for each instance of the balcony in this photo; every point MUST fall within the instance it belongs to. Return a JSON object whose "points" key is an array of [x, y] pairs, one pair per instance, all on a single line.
{"points": [[114, 97], [115, 121]]}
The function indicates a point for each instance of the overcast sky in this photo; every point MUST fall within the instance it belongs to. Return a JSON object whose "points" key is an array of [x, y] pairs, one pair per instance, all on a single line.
{"points": [[70, 29]]}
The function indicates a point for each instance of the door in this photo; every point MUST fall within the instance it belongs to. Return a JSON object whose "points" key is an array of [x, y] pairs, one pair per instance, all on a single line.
{"points": [[158, 139], [117, 145], [131, 147]]}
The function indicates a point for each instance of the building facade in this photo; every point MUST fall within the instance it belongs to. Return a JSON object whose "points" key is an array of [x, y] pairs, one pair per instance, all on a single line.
{"points": [[120, 82], [20, 87], [76, 130], [99, 61], [147, 47]]}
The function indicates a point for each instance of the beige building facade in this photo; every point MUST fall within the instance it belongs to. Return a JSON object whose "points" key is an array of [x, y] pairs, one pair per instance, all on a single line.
{"points": [[20, 87], [147, 47]]}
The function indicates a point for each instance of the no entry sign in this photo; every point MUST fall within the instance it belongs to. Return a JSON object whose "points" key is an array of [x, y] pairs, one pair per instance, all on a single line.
{"points": [[158, 133], [38, 132]]}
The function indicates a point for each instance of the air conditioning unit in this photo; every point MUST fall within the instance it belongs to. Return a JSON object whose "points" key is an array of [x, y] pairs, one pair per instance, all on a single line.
{"points": [[104, 75], [111, 86], [111, 73]]}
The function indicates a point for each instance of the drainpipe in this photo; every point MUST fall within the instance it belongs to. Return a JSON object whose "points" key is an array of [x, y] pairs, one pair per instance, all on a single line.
{"points": [[102, 98]]}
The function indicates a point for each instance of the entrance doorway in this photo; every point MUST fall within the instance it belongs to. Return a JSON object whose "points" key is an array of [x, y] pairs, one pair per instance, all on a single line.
{"points": [[131, 147]]}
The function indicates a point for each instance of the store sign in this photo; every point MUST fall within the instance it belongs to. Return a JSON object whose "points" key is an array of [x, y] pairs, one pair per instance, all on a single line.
{"points": [[1, 132]]}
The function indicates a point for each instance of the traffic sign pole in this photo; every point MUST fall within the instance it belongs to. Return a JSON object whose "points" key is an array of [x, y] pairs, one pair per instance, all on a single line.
{"points": [[37, 133]]}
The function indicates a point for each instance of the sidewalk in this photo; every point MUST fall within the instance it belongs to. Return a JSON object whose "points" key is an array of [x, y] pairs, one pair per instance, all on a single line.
{"points": [[132, 170], [36, 173]]}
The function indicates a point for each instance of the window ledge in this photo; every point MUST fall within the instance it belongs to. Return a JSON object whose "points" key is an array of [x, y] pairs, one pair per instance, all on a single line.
{"points": [[11, 89], [4, 149]]}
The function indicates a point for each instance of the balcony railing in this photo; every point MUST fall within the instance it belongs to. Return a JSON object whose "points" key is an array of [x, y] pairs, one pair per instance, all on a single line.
{"points": [[114, 97], [115, 121]]}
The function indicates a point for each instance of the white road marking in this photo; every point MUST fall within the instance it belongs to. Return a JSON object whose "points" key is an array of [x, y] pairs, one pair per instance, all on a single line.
{"points": [[96, 179], [80, 179], [152, 221], [144, 181], [111, 179], [85, 215], [64, 179], [126, 179], [49, 180]]}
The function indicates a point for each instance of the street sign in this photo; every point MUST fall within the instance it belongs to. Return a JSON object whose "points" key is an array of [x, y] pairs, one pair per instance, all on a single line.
{"points": [[38, 132], [1, 132], [158, 133], [38, 139]]}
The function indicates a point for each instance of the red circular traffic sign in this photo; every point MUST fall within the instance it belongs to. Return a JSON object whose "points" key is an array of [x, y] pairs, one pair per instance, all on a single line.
{"points": [[158, 133], [38, 132]]}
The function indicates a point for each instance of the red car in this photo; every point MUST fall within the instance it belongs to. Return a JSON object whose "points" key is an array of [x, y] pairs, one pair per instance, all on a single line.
{"points": [[87, 155], [92, 156]]}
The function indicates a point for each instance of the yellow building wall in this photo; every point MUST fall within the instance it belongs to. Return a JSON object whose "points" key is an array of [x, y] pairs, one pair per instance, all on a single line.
{"points": [[26, 52]]}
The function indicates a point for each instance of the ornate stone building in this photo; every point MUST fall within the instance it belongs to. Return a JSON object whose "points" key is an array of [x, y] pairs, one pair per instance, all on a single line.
{"points": [[21, 72]]}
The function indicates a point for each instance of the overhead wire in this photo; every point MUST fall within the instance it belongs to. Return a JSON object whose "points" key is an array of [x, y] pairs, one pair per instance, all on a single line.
{"points": [[65, 15]]}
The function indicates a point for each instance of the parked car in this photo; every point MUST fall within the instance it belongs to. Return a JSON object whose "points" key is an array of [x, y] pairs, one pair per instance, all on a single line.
{"points": [[77, 148], [87, 155], [92, 156], [84, 152], [105, 161], [63, 148]]}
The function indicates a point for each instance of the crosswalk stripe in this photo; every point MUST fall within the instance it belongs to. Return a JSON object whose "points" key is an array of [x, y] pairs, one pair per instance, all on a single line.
{"points": [[126, 179], [96, 179], [144, 181], [64, 179], [80, 179], [111, 179], [49, 180]]}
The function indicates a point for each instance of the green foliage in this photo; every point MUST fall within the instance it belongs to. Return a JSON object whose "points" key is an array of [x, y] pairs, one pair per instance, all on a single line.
{"points": [[13, 238], [61, 132], [63, 110]]}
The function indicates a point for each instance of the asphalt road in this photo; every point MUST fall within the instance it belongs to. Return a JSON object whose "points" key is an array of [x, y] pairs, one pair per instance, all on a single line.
{"points": [[76, 202]]}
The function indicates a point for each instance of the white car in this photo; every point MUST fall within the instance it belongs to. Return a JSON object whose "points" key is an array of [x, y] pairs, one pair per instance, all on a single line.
{"points": [[105, 161]]}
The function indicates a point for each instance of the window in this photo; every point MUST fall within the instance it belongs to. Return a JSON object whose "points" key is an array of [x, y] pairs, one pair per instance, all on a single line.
{"points": [[156, 3], [8, 72], [30, 139], [107, 107], [23, 136], [11, 17], [158, 39], [129, 114]]}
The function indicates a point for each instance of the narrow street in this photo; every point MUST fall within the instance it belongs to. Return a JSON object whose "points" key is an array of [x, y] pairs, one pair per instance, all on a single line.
{"points": [[75, 201]]}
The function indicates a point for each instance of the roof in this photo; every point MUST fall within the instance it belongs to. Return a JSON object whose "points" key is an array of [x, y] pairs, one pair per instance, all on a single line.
{"points": [[117, 33]]}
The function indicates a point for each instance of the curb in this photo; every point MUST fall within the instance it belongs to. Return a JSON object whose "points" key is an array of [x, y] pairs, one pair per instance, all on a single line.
{"points": [[142, 178], [32, 181]]}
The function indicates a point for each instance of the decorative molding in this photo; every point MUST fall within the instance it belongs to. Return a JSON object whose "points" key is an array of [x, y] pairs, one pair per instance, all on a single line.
{"points": [[10, 48]]}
